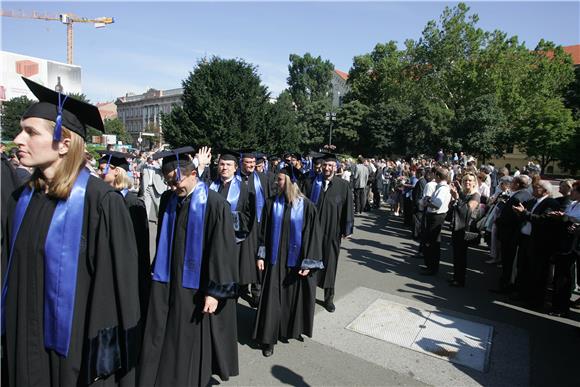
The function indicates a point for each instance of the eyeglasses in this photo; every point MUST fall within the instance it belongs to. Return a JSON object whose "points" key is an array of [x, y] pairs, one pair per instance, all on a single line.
{"points": [[173, 182]]}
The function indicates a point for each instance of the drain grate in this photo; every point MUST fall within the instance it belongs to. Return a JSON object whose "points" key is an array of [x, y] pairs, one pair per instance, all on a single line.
{"points": [[447, 337]]}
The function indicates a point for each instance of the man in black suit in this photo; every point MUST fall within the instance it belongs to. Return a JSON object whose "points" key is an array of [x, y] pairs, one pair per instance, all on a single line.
{"points": [[416, 196], [536, 243], [509, 224]]}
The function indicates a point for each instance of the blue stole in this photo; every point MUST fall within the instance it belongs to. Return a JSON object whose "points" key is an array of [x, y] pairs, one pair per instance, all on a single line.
{"points": [[124, 192], [233, 192], [61, 256], [296, 222], [316, 188], [260, 200], [194, 239]]}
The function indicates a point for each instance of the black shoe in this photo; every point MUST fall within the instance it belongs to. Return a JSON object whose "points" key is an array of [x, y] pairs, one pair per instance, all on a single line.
{"points": [[253, 302], [268, 350], [330, 307], [456, 284], [283, 340]]}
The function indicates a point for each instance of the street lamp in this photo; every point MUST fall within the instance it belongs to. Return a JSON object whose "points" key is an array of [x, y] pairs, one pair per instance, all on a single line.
{"points": [[330, 116]]}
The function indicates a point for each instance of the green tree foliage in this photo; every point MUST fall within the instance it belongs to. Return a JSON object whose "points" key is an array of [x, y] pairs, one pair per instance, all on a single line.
{"points": [[224, 103], [79, 96], [349, 123], [568, 153], [12, 111], [481, 126], [548, 129], [313, 125], [283, 133], [309, 79], [115, 126]]}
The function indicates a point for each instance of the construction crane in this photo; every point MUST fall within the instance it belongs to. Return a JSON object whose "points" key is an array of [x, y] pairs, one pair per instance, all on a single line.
{"points": [[66, 18]]}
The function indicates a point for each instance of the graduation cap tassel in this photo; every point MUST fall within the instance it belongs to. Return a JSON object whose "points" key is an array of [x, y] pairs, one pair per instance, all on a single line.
{"points": [[58, 127], [178, 170], [108, 165]]}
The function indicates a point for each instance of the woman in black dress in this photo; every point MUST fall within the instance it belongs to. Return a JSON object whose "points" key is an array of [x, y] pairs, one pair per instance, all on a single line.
{"points": [[289, 252], [465, 206]]}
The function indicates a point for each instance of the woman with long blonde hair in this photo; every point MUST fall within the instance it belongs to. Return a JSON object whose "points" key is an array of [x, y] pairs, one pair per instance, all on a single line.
{"points": [[289, 252], [70, 306]]}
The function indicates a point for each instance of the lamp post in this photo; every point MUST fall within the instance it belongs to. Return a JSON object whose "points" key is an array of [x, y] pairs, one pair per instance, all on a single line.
{"points": [[330, 116]]}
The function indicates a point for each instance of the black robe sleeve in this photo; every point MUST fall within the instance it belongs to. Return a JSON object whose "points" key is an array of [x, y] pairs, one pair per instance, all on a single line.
{"points": [[113, 340], [347, 217], [220, 251], [311, 246]]}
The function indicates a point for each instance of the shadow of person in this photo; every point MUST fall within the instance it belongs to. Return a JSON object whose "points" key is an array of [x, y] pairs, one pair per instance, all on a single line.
{"points": [[287, 376]]}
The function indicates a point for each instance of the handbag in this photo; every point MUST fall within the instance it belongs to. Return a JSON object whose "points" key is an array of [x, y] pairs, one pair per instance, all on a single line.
{"points": [[472, 234]]}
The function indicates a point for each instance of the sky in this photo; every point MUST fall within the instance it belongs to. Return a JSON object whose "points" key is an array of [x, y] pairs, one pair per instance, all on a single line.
{"points": [[156, 44]]}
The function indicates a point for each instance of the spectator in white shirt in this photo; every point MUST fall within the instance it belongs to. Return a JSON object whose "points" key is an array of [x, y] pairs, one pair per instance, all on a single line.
{"points": [[437, 207]]}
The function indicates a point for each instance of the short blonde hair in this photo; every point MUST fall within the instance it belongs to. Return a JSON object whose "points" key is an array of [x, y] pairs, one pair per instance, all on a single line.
{"points": [[122, 180], [67, 171]]}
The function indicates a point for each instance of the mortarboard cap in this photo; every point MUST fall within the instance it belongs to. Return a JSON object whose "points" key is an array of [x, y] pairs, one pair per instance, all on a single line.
{"points": [[117, 159], [75, 115], [174, 158], [260, 157], [324, 156], [229, 155], [248, 153]]}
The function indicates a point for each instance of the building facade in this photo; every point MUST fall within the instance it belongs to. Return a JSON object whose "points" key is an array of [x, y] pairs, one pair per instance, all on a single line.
{"points": [[141, 114], [339, 87]]}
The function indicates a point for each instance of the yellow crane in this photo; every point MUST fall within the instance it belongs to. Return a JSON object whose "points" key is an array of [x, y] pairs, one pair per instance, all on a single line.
{"points": [[66, 18]]}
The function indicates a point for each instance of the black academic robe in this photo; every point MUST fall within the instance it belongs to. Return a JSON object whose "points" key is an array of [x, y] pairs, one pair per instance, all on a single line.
{"points": [[183, 346], [249, 247], [286, 308], [245, 209], [335, 219], [138, 214], [105, 334]]}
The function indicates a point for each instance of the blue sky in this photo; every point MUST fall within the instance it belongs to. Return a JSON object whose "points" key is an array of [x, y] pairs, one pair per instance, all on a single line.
{"points": [[156, 44]]}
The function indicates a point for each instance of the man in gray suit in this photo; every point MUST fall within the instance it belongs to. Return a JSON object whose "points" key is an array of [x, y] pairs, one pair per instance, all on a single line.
{"points": [[361, 177], [151, 187]]}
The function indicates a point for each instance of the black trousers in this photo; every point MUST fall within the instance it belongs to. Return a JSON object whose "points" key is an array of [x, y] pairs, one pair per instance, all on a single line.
{"points": [[432, 241], [408, 211], [524, 277], [460, 246], [509, 246], [563, 282], [359, 199], [376, 197]]}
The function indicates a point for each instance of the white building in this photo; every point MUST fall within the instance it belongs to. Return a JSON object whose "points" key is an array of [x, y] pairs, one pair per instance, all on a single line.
{"points": [[141, 113], [46, 72]]}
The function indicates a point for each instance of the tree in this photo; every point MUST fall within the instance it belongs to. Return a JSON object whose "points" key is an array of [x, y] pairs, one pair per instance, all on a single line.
{"points": [[115, 126], [349, 122], [79, 96], [313, 125], [224, 103], [568, 154], [480, 128], [12, 111], [282, 132], [549, 127], [309, 79]]}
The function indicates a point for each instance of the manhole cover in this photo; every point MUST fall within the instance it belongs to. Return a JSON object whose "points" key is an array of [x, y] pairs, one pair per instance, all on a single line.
{"points": [[447, 337]]}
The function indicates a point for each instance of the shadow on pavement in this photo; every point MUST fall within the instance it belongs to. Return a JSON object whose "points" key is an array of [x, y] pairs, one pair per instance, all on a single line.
{"points": [[554, 343], [287, 376]]}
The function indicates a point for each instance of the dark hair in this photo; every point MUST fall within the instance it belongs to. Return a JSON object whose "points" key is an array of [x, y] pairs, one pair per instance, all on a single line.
{"points": [[441, 173]]}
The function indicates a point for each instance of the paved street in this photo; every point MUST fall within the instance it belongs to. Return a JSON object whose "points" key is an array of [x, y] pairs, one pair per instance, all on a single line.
{"points": [[377, 262]]}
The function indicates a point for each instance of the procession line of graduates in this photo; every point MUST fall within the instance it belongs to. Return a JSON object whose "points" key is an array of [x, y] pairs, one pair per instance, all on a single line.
{"points": [[81, 305]]}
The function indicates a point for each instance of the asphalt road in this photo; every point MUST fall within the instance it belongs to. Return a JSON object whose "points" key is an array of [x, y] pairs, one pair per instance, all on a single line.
{"points": [[529, 348]]}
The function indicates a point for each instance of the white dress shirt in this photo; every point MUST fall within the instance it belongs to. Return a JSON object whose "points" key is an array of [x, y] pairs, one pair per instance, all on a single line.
{"points": [[440, 199]]}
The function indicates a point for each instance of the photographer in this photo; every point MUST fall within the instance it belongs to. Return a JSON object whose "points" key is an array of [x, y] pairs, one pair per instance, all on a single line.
{"points": [[465, 197], [496, 203]]}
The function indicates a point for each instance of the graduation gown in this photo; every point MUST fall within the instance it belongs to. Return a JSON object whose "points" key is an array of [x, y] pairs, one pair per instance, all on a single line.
{"points": [[245, 208], [182, 346], [286, 307], [335, 218], [249, 273], [138, 213], [105, 335]]}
